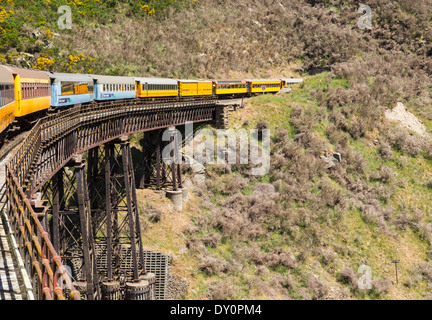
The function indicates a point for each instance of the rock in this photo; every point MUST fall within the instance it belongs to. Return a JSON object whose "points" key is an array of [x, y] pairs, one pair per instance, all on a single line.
{"points": [[331, 160], [284, 90]]}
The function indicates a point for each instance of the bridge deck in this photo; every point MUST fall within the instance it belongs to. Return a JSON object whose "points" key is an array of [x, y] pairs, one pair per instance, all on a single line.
{"points": [[10, 277]]}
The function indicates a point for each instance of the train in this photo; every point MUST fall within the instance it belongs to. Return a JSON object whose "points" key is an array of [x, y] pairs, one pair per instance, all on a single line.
{"points": [[28, 94]]}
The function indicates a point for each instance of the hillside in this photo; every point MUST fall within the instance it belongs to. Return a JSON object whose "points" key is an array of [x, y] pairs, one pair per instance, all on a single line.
{"points": [[303, 230]]}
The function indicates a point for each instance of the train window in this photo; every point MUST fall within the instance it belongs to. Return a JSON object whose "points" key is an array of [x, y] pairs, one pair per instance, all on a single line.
{"points": [[7, 94], [67, 88]]}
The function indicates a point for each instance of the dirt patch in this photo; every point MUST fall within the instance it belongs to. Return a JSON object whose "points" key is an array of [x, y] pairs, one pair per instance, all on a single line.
{"points": [[407, 119]]}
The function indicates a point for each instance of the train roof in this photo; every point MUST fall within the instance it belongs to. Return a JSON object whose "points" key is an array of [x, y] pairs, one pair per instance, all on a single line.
{"points": [[230, 81], [193, 80], [292, 80], [263, 80], [68, 77], [156, 80], [112, 79], [27, 74], [5, 75]]}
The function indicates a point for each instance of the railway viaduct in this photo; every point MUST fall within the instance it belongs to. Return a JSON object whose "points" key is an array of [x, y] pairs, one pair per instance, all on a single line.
{"points": [[69, 198]]}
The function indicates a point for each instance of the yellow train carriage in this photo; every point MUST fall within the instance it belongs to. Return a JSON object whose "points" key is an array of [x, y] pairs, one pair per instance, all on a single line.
{"points": [[32, 91], [264, 85], [7, 98], [156, 87], [230, 87], [189, 88]]}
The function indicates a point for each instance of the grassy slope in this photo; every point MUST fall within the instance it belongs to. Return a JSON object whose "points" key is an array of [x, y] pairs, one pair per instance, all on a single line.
{"points": [[368, 244]]}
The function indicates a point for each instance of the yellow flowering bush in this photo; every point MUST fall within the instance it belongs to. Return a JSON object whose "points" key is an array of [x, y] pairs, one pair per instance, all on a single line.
{"points": [[79, 63], [43, 63]]}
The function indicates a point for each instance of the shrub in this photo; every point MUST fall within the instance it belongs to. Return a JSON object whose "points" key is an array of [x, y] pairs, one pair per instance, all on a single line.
{"points": [[211, 264], [385, 151], [319, 288], [154, 215], [282, 258], [222, 290], [403, 141], [347, 276], [381, 286]]}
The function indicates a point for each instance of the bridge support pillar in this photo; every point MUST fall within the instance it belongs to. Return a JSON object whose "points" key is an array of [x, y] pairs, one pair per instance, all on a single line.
{"points": [[132, 207], [116, 220], [88, 245], [157, 170], [153, 167]]}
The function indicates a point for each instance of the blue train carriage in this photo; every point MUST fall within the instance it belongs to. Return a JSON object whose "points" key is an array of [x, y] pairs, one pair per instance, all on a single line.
{"points": [[70, 89], [113, 87]]}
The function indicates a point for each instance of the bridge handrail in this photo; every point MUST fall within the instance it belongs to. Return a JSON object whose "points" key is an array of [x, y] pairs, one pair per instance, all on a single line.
{"points": [[35, 245]]}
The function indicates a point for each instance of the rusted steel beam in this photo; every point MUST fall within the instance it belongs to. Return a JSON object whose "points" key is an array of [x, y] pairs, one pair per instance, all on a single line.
{"points": [[85, 229], [128, 174], [108, 207]]}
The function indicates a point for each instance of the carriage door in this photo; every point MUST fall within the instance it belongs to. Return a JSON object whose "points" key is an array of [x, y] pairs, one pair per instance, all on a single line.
{"points": [[146, 88], [18, 93]]}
